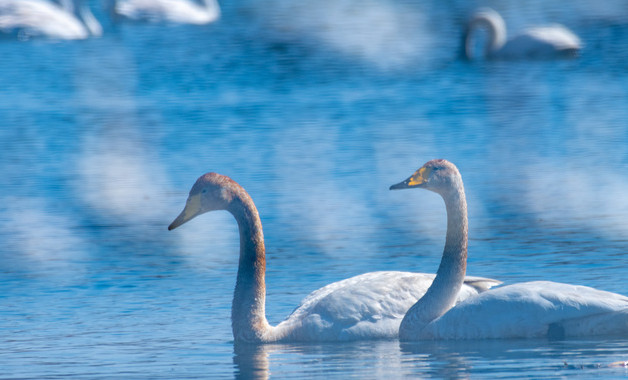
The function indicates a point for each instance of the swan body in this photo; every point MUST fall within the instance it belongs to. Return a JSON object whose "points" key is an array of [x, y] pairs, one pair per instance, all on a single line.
{"points": [[173, 11], [367, 306], [527, 310], [553, 41], [38, 18], [539, 309]]}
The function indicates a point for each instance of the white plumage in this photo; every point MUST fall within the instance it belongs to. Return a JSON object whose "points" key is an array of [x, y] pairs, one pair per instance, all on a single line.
{"points": [[173, 11], [552, 41], [539, 309], [37, 18], [368, 306]]}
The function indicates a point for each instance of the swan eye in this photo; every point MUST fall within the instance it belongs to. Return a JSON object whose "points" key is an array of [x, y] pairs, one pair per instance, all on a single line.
{"points": [[203, 191]]}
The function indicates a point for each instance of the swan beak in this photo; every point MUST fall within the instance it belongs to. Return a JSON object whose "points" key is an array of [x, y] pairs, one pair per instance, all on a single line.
{"points": [[191, 210], [417, 179]]}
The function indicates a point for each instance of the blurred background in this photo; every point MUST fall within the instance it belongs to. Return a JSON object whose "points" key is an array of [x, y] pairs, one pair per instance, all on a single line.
{"points": [[316, 108]]}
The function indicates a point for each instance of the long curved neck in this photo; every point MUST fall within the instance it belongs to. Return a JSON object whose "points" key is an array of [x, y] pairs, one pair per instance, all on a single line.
{"points": [[443, 292], [88, 19], [496, 28], [248, 313]]}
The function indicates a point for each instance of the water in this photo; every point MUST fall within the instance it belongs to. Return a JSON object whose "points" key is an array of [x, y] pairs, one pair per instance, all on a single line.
{"points": [[316, 108]]}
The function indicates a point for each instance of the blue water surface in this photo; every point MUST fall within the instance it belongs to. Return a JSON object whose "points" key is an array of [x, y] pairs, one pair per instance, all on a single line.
{"points": [[316, 108]]}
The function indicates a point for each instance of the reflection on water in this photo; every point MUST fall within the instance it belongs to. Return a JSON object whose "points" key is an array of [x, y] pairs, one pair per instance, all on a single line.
{"points": [[451, 360], [251, 361], [378, 359], [529, 358]]}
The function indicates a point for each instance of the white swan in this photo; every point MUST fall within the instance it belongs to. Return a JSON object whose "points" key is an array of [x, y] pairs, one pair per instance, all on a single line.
{"points": [[37, 18], [368, 306], [526, 310], [554, 41], [174, 11]]}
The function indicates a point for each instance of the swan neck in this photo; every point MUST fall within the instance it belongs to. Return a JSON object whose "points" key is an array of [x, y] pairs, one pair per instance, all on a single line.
{"points": [[248, 314], [91, 23], [443, 291], [457, 225], [496, 29]]}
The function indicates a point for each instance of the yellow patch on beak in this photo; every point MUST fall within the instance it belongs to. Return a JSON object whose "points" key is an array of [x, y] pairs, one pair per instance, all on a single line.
{"points": [[419, 177], [191, 210]]}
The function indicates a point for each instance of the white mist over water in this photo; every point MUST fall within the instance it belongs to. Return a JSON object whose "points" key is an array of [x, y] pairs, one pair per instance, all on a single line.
{"points": [[123, 177], [589, 196], [316, 110], [35, 229], [386, 34]]}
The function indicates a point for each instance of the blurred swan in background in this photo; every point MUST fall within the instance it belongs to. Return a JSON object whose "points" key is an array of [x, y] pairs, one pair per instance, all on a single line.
{"points": [[367, 306], [174, 11], [540, 309], [69, 20], [554, 41]]}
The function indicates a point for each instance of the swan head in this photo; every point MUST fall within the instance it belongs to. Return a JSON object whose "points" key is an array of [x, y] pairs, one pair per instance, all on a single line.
{"points": [[212, 191], [439, 176]]}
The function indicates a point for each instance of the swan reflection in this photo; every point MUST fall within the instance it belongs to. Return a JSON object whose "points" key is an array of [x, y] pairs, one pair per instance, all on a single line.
{"points": [[260, 361]]}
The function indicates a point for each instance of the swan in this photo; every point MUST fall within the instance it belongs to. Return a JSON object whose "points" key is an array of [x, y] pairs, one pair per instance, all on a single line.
{"points": [[539, 309], [554, 41], [174, 11], [367, 306], [38, 18]]}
